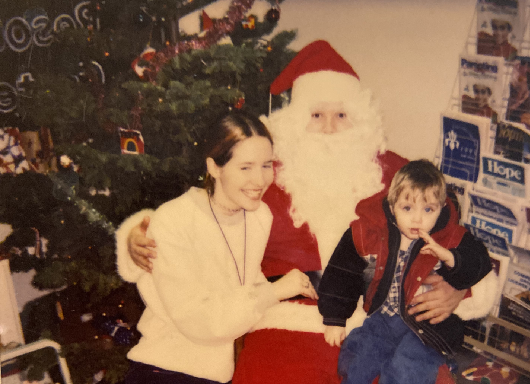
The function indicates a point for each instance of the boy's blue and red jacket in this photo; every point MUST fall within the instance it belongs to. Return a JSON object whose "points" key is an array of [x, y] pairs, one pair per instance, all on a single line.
{"points": [[375, 233]]}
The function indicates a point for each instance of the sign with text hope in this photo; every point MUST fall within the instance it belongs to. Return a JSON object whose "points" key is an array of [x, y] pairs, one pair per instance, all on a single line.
{"points": [[503, 175]]}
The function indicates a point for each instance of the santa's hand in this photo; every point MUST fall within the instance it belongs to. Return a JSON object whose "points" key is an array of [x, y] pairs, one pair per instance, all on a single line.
{"points": [[431, 247], [140, 247], [294, 283], [334, 335], [438, 303]]}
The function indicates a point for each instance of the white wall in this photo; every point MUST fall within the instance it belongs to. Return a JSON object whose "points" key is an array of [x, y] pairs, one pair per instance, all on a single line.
{"points": [[405, 51]]}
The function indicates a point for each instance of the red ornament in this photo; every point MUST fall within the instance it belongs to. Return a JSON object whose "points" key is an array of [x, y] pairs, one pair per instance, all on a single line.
{"points": [[239, 103], [148, 54], [206, 22]]}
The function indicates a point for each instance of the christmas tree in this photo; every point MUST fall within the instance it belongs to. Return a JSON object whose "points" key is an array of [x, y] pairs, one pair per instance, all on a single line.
{"points": [[103, 107]]}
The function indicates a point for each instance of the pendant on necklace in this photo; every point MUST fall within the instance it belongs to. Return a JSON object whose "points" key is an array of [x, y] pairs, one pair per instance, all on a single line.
{"points": [[241, 281]]}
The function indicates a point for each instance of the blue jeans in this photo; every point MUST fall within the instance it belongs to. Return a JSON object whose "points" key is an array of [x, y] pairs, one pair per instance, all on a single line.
{"points": [[140, 373], [385, 346]]}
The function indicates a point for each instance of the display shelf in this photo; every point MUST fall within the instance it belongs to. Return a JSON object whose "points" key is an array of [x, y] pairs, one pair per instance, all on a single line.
{"points": [[504, 340]]}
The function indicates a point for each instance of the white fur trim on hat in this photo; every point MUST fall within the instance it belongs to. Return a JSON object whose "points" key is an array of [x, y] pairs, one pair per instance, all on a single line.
{"points": [[324, 86]]}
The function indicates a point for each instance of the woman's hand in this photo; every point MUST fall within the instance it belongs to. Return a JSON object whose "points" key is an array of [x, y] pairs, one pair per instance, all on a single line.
{"points": [[334, 335], [292, 284], [139, 246]]}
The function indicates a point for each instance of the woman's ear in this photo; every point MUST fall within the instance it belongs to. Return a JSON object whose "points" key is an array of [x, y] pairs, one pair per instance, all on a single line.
{"points": [[213, 169]]}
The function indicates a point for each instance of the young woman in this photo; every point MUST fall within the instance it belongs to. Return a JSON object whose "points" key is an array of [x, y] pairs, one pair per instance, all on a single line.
{"points": [[206, 288]]}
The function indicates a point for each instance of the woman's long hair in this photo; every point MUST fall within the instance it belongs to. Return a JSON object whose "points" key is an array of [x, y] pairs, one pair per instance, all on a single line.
{"points": [[224, 134]]}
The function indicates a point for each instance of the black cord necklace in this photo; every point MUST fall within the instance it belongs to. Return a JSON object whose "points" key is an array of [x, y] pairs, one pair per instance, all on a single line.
{"points": [[241, 282]]}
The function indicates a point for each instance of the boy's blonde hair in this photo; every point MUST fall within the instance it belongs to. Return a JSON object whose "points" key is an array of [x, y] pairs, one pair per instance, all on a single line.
{"points": [[418, 175]]}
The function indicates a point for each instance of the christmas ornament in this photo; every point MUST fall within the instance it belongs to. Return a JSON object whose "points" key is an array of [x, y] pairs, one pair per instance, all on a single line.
{"points": [[273, 15], [206, 22], [66, 181], [239, 103], [138, 64], [120, 331], [93, 191], [38, 146], [249, 23], [12, 156], [131, 141], [115, 328]]}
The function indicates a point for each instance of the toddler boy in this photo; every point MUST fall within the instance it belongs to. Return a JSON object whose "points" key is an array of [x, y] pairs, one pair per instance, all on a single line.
{"points": [[395, 244]]}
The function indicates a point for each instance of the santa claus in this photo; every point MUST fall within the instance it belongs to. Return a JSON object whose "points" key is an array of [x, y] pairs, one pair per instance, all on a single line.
{"points": [[330, 149]]}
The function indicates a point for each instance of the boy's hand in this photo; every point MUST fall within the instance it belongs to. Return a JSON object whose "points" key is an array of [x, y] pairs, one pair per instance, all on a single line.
{"points": [[431, 247], [334, 335]]}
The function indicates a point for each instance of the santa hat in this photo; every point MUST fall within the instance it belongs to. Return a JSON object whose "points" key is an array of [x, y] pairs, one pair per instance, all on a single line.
{"points": [[317, 73]]}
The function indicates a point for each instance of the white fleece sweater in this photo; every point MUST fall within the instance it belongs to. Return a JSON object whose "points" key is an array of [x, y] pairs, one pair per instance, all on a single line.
{"points": [[195, 305]]}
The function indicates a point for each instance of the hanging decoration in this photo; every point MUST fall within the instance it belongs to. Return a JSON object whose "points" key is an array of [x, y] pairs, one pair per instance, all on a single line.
{"points": [[139, 64], [12, 156], [249, 23], [38, 147], [206, 22], [239, 103], [131, 141], [120, 331], [273, 15], [220, 28], [66, 182]]}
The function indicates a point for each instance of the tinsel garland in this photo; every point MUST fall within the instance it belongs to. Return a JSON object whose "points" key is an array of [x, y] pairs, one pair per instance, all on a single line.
{"points": [[85, 208], [221, 27]]}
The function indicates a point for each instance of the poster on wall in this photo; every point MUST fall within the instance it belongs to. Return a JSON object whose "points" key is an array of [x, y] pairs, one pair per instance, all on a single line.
{"points": [[481, 85], [500, 27]]}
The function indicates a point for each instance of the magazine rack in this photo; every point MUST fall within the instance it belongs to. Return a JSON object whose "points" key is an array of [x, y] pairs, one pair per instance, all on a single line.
{"points": [[494, 339], [498, 337]]}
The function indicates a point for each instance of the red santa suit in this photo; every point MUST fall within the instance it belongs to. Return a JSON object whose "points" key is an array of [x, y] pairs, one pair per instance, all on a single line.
{"points": [[287, 346], [290, 247]]}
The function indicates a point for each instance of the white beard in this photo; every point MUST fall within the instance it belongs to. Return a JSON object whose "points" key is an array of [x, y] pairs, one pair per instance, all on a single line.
{"points": [[326, 175]]}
